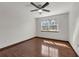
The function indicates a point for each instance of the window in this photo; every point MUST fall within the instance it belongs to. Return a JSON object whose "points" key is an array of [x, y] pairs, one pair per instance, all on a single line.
{"points": [[49, 25]]}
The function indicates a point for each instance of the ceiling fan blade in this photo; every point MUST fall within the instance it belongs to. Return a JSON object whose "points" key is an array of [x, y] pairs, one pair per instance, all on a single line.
{"points": [[35, 5], [34, 10], [45, 5], [46, 10]]}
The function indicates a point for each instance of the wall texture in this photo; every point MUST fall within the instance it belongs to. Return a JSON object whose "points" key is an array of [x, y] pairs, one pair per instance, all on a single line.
{"points": [[62, 20], [16, 23], [74, 26]]}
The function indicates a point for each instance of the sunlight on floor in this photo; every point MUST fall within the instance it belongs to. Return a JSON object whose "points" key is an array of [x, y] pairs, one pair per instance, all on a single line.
{"points": [[48, 42], [56, 43], [49, 51], [61, 44]]}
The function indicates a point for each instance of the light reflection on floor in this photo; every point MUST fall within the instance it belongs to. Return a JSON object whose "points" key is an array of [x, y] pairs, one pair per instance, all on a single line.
{"points": [[62, 45], [49, 51], [39, 47], [56, 43]]}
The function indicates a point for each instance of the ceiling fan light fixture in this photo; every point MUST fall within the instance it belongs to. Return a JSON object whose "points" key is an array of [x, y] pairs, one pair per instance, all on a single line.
{"points": [[40, 8], [40, 11]]}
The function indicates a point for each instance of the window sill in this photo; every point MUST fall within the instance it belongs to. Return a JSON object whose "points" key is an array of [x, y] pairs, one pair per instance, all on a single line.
{"points": [[49, 30]]}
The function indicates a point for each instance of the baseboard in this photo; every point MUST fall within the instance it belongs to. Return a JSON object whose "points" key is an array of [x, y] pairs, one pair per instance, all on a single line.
{"points": [[50, 38], [15, 44], [73, 49], [58, 40], [27, 40], [33, 38]]}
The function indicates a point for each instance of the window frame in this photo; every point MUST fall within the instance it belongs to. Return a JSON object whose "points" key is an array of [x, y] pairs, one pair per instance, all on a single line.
{"points": [[46, 24]]}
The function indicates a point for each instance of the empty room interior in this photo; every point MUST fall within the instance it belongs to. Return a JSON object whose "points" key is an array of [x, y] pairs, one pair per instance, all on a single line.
{"points": [[39, 29]]}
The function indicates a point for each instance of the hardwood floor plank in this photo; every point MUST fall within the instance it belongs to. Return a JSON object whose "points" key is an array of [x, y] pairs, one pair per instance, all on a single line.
{"points": [[39, 47]]}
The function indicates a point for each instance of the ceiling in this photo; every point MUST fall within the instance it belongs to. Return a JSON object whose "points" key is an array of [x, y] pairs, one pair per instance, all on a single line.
{"points": [[54, 7]]}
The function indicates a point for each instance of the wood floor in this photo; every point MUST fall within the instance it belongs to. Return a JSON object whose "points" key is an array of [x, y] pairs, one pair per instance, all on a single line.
{"points": [[39, 47]]}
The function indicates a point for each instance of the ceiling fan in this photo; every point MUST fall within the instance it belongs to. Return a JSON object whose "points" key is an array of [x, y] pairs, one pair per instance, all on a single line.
{"points": [[40, 8]]}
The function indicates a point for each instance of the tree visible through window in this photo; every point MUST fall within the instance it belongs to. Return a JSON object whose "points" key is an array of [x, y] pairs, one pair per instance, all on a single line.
{"points": [[49, 25]]}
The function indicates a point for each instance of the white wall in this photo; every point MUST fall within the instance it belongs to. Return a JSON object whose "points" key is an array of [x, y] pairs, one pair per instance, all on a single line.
{"points": [[62, 20], [74, 26], [16, 23]]}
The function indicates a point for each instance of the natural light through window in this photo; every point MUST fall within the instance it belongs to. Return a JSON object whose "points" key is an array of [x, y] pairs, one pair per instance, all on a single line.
{"points": [[49, 25]]}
